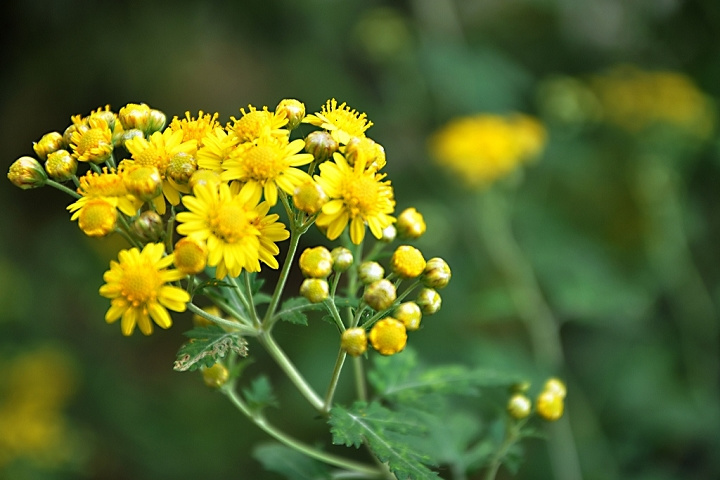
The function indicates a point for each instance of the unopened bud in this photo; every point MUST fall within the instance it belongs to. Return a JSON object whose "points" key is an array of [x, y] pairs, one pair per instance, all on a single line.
{"points": [[123, 136], [181, 168], [48, 143], [321, 144], [409, 314], [354, 341], [388, 234], [370, 272], [316, 262], [380, 295], [60, 165], [365, 150], [294, 111], [143, 182], [437, 273], [135, 115], [215, 376], [429, 301], [309, 197], [190, 255], [315, 289], [550, 405], [407, 262], [388, 336], [342, 259], [519, 406], [97, 218], [26, 173], [410, 224], [156, 121], [148, 227], [204, 177]]}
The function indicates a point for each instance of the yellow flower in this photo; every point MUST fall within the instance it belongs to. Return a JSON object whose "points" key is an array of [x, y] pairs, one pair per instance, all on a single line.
{"points": [[158, 151], [407, 262], [93, 144], [483, 148], [267, 165], [232, 227], [216, 149], [137, 288], [195, 128], [341, 121], [97, 217], [271, 232], [109, 187], [256, 124], [358, 196], [388, 336]]}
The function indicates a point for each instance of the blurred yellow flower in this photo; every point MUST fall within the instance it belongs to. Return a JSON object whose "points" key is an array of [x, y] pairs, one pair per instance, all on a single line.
{"points": [[137, 288], [485, 147]]}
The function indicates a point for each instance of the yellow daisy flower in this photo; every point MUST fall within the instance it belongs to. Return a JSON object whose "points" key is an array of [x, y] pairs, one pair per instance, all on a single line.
{"points": [[107, 186], [341, 121], [255, 124], [357, 195], [271, 232], [137, 288], [92, 143], [195, 128], [158, 151], [216, 148], [231, 225], [267, 165]]}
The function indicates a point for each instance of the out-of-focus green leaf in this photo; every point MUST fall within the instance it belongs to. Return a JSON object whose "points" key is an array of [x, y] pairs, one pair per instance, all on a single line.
{"points": [[260, 394], [290, 463]]}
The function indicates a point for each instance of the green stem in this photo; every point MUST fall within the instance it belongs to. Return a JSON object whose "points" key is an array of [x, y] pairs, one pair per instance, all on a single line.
{"points": [[330, 304], [295, 444], [63, 188], [235, 326], [334, 380], [251, 303], [512, 435], [269, 320], [266, 340], [360, 385]]}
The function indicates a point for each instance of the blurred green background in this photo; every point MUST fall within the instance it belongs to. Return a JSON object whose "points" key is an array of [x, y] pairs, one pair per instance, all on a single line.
{"points": [[622, 230]]}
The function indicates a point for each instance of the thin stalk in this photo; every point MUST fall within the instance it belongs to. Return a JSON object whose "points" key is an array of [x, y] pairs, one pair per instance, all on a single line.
{"points": [[360, 385], [266, 340], [330, 304], [63, 188], [334, 380], [295, 444], [269, 320], [239, 327], [512, 435], [251, 303]]}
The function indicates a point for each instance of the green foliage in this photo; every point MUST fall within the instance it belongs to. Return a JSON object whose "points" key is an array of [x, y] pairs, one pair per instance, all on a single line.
{"points": [[206, 346], [394, 437], [260, 395], [290, 463], [293, 310]]}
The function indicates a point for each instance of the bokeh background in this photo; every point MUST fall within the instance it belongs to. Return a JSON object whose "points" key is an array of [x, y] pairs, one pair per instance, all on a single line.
{"points": [[620, 226]]}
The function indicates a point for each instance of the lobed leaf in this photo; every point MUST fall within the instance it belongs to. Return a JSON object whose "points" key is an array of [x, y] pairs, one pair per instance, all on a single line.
{"points": [[206, 346], [290, 463]]}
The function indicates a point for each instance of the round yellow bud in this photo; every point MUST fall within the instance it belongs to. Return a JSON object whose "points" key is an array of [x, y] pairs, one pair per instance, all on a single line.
{"points": [[437, 273], [215, 376], [519, 406], [321, 144], [309, 197], [354, 341], [60, 165], [409, 314], [342, 259], [48, 143], [380, 294], [555, 385], [190, 255], [407, 262], [26, 173], [388, 336], [134, 115], [181, 168], [204, 177], [365, 150], [389, 233], [316, 262], [315, 289], [550, 405], [294, 111], [143, 182], [370, 272], [410, 224], [148, 227], [97, 218], [429, 301]]}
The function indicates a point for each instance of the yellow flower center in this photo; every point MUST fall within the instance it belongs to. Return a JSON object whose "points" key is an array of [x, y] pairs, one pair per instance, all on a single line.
{"points": [[97, 218], [93, 138], [263, 163], [361, 195], [231, 223], [252, 125], [140, 284], [149, 157]]}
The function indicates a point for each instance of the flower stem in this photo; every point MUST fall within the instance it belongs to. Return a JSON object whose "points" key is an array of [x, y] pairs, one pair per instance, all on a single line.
{"points": [[269, 320], [63, 188], [334, 380], [295, 444], [235, 326]]}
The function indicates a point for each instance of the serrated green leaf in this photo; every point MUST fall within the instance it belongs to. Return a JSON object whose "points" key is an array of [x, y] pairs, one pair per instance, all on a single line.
{"points": [[206, 346], [292, 310], [394, 437], [291, 464], [260, 395]]}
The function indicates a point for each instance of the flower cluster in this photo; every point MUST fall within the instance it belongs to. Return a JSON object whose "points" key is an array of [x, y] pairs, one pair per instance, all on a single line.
{"points": [[549, 404], [483, 148]]}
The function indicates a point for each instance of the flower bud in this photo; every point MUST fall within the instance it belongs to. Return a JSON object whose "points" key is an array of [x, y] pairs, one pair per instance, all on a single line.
{"points": [[370, 272], [143, 182], [550, 405], [407, 262], [519, 406], [294, 111], [380, 294], [388, 336], [437, 273], [342, 259], [204, 177], [354, 341], [156, 121], [410, 224], [315, 289], [60, 165], [316, 262], [134, 115], [365, 150], [148, 227], [26, 173], [75, 127], [48, 143], [429, 301], [123, 136], [409, 314], [97, 218], [389, 233], [321, 144], [555, 385], [190, 255], [181, 168], [309, 197], [215, 376]]}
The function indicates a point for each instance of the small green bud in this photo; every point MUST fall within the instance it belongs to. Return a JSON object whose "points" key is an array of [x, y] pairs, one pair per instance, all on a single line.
{"points": [[309, 197], [294, 111], [370, 272], [156, 121], [316, 262], [429, 301], [519, 406], [48, 143], [148, 227], [354, 341], [410, 224], [61, 165], [26, 173], [380, 294], [342, 259], [181, 167], [437, 273], [409, 314], [321, 144], [215, 376], [315, 289]]}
